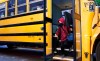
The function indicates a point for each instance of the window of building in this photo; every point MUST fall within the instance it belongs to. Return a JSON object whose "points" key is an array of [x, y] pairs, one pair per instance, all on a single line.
{"points": [[11, 7], [2, 10], [36, 5], [21, 6]]}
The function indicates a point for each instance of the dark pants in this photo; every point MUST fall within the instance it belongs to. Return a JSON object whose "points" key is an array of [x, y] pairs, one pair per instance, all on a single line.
{"points": [[63, 44], [55, 43]]}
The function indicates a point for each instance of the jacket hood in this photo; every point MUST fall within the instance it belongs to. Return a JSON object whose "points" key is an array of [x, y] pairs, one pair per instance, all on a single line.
{"points": [[62, 20]]}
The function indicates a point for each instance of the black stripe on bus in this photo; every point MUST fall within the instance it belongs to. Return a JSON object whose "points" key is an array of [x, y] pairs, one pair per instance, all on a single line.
{"points": [[22, 24], [30, 44], [22, 15], [48, 20], [24, 34]]}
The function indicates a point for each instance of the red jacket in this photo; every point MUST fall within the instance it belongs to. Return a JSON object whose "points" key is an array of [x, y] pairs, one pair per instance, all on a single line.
{"points": [[62, 32]]}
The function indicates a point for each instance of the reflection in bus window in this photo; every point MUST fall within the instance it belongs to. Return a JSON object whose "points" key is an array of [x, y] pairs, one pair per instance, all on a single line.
{"points": [[21, 2], [11, 3], [2, 14], [36, 5], [21, 9], [11, 12], [21, 6], [32, 0], [11, 8], [2, 10]]}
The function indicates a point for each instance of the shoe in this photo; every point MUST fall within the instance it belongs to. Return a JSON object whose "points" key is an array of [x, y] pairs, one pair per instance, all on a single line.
{"points": [[55, 51], [63, 56]]}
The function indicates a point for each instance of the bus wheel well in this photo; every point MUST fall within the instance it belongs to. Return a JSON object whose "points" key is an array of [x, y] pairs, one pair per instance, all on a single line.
{"points": [[96, 43]]}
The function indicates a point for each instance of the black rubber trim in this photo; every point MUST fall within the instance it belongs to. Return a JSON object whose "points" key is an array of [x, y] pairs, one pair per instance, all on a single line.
{"points": [[22, 24], [94, 26], [22, 15], [31, 44], [24, 34], [48, 20]]}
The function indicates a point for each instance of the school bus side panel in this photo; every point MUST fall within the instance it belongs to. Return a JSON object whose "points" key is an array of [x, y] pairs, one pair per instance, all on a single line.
{"points": [[22, 29]]}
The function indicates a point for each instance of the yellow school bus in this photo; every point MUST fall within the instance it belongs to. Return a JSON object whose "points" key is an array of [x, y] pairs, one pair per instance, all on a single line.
{"points": [[22, 24], [86, 25], [87, 29]]}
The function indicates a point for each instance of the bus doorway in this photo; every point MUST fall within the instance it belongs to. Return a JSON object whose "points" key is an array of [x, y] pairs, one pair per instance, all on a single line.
{"points": [[62, 10]]}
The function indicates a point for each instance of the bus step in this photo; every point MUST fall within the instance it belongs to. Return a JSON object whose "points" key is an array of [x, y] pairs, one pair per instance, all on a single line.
{"points": [[65, 49], [66, 58]]}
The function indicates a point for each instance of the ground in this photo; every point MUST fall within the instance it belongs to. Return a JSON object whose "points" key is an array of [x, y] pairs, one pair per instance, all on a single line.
{"points": [[26, 54], [20, 54]]}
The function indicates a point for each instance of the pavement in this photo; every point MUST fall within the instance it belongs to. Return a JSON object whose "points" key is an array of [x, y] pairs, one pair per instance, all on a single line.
{"points": [[26, 54], [20, 54]]}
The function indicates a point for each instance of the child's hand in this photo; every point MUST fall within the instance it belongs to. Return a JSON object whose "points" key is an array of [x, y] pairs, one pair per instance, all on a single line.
{"points": [[56, 36], [59, 40]]}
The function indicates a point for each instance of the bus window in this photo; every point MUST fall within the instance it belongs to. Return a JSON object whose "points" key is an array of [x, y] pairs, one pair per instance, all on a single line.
{"points": [[2, 10], [36, 5], [32, 0], [21, 9], [2, 14], [21, 6], [11, 8], [11, 3], [21, 2], [11, 12]]}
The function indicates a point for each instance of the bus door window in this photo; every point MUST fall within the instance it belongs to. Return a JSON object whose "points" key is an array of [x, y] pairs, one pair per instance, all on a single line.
{"points": [[2, 10], [11, 7], [21, 6], [36, 5]]}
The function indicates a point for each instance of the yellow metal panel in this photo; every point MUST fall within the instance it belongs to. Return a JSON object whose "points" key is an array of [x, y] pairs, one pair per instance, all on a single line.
{"points": [[49, 38], [49, 9], [22, 29], [49, 28], [32, 39], [86, 18], [96, 17], [77, 18], [23, 19], [96, 30]]}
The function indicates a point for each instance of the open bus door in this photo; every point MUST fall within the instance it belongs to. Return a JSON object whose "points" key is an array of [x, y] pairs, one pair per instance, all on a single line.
{"points": [[63, 8], [82, 13], [77, 27]]}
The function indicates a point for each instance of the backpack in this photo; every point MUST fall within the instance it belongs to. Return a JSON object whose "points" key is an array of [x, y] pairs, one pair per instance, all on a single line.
{"points": [[70, 37]]}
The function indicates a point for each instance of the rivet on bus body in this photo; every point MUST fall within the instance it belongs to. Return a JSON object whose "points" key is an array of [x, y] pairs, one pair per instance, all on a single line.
{"points": [[31, 18], [42, 28], [39, 38]]}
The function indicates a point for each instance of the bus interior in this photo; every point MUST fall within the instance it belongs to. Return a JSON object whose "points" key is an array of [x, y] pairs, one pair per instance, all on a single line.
{"points": [[63, 8]]}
